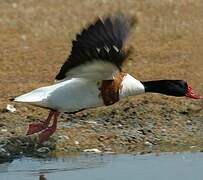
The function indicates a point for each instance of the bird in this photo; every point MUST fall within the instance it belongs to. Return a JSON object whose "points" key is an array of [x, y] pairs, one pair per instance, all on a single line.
{"points": [[92, 75]]}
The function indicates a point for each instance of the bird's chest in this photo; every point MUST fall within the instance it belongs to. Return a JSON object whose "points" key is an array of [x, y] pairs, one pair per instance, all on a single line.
{"points": [[109, 89]]}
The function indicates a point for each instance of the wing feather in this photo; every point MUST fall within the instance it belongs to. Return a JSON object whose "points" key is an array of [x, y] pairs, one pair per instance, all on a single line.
{"points": [[97, 52]]}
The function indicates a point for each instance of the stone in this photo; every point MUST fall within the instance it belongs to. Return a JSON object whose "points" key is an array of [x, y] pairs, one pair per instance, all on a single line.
{"points": [[43, 150], [94, 150]]}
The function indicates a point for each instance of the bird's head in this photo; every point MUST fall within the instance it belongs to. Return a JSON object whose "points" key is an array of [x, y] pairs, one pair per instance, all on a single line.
{"points": [[182, 88], [190, 93], [171, 88]]}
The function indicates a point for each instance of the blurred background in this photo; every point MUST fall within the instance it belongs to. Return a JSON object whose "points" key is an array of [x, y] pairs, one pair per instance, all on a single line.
{"points": [[35, 40]]}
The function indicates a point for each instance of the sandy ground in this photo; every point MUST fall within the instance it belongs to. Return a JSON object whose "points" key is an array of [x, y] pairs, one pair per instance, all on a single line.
{"points": [[35, 39]]}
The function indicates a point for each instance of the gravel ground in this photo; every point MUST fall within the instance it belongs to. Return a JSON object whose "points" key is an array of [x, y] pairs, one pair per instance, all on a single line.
{"points": [[139, 125], [35, 38]]}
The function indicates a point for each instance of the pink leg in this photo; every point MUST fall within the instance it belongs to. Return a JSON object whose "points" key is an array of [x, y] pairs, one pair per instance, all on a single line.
{"points": [[37, 127], [44, 135]]}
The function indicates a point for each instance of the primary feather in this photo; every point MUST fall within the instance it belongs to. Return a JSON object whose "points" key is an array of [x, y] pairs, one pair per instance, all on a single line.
{"points": [[98, 51]]}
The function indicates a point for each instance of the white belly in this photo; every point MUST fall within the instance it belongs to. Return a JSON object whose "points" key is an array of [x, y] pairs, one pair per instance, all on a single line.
{"points": [[74, 95], [67, 96]]}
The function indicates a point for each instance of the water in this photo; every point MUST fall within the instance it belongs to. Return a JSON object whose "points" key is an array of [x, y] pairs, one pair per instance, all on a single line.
{"points": [[179, 166]]}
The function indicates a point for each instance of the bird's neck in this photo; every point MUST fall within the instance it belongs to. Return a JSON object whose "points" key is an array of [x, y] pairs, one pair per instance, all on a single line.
{"points": [[130, 87], [154, 86], [167, 87]]}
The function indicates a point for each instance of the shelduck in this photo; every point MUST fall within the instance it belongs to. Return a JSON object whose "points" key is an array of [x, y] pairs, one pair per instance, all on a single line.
{"points": [[92, 75]]}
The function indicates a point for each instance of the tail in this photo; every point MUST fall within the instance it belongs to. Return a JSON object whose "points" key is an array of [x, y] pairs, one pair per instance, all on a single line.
{"points": [[36, 97]]}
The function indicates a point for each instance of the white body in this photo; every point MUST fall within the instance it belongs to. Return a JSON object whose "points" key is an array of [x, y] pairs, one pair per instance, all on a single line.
{"points": [[76, 94]]}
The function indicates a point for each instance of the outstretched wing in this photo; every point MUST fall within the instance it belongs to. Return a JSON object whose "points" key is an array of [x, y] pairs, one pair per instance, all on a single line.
{"points": [[97, 53]]}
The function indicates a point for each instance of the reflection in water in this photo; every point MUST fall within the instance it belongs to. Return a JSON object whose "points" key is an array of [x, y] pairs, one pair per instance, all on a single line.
{"points": [[42, 177], [181, 166]]}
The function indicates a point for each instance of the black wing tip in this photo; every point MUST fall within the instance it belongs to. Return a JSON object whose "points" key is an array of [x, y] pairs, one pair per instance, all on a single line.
{"points": [[111, 31], [11, 99]]}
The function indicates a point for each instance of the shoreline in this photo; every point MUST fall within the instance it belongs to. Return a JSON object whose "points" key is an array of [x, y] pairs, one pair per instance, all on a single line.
{"points": [[126, 127]]}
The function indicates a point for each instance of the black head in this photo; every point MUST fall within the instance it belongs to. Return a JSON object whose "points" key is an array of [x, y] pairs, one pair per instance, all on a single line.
{"points": [[171, 88]]}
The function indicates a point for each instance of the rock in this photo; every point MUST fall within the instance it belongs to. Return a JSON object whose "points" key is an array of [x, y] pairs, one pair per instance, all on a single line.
{"points": [[71, 150], [4, 130], [76, 142], [147, 143], [42, 177], [4, 155], [14, 5], [10, 108], [2, 125], [64, 137], [43, 150], [24, 37], [92, 122], [94, 150], [189, 122], [49, 144], [145, 152]]}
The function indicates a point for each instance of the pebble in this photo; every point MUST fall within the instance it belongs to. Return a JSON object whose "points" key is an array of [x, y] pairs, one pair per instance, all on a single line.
{"points": [[189, 122], [4, 155], [4, 130], [123, 129], [43, 150], [76, 142], [47, 143], [64, 137], [10, 108], [14, 5], [92, 122], [94, 150], [147, 143], [24, 37], [163, 130]]}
